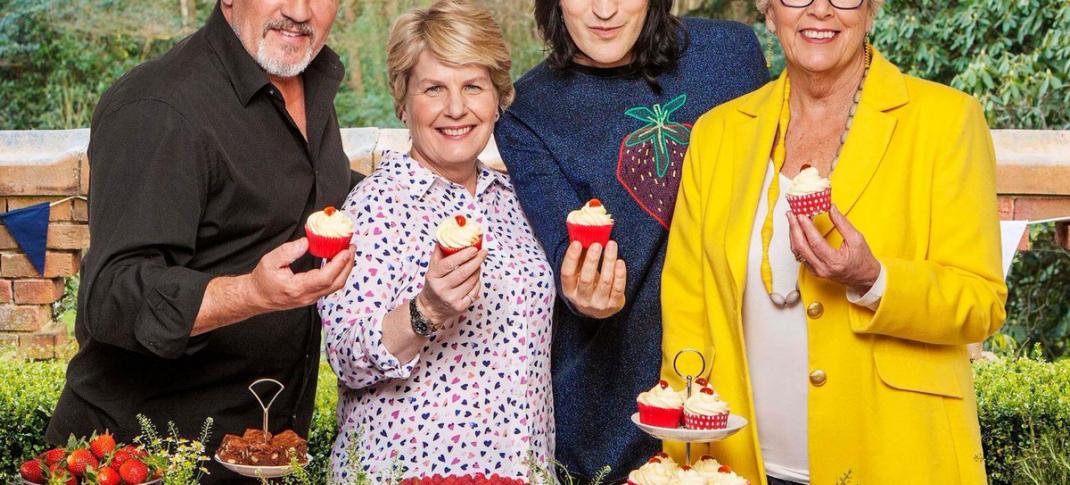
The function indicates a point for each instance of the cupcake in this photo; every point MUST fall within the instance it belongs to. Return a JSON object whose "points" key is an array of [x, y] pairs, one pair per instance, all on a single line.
{"points": [[687, 476], [328, 232], [708, 467], [590, 224], [705, 410], [660, 406], [456, 233], [696, 386], [725, 476], [656, 471], [810, 194]]}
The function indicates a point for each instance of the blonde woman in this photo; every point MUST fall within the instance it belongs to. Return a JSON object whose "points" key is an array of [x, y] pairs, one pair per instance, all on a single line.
{"points": [[443, 361], [842, 337]]}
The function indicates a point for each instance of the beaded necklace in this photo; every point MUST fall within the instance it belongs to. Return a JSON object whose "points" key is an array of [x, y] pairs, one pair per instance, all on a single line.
{"points": [[779, 156]]}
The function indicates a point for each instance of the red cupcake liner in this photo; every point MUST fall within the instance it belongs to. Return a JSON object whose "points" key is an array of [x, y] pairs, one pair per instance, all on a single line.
{"points": [[448, 251], [326, 247], [705, 421], [588, 235], [661, 417], [810, 205]]}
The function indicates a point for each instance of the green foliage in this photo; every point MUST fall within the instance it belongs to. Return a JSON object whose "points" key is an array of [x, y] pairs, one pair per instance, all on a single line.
{"points": [[51, 75], [1038, 310], [1013, 55], [1022, 404], [28, 394]]}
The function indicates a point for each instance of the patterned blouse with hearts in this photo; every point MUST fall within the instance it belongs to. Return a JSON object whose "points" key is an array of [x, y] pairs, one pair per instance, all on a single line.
{"points": [[477, 398]]}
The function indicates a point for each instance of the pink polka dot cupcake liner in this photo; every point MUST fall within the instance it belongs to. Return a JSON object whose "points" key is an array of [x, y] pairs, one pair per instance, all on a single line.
{"points": [[810, 205], [705, 421]]}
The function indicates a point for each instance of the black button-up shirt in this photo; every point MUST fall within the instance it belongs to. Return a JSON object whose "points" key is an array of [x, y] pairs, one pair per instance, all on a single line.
{"points": [[197, 171]]}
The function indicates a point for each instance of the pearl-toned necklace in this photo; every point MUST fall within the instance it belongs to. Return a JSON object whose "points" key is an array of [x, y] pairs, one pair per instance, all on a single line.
{"points": [[779, 156]]}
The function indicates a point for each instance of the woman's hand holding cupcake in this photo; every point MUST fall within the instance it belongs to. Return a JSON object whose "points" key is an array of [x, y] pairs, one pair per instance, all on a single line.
{"points": [[852, 265], [451, 284]]}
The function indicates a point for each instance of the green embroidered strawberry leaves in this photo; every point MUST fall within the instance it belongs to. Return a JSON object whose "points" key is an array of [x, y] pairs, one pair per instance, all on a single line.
{"points": [[651, 158]]}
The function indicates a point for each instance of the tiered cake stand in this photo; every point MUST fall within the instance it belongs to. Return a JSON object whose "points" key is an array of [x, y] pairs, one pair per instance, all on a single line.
{"points": [[685, 435]]}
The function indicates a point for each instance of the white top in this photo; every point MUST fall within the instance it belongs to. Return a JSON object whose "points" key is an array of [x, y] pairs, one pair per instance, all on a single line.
{"points": [[776, 342]]}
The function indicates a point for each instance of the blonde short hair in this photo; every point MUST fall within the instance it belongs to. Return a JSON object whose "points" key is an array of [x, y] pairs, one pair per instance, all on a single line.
{"points": [[874, 6], [459, 32]]}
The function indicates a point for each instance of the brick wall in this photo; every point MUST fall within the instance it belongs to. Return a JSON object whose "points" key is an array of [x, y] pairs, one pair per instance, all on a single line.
{"points": [[1033, 180]]}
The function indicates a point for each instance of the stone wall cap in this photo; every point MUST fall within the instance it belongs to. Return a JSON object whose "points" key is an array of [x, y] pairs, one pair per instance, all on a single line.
{"points": [[41, 147]]}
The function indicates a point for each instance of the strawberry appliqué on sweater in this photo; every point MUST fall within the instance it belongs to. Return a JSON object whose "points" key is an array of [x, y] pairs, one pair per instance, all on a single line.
{"points": [[651, 158]]}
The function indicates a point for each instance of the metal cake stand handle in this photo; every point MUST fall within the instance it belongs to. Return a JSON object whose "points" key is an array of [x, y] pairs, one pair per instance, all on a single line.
{"points": [[688, 378], [257, 396]]}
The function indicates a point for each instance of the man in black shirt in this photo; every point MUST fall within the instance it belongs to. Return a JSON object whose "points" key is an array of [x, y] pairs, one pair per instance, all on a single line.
{"points": [[204, 165]]}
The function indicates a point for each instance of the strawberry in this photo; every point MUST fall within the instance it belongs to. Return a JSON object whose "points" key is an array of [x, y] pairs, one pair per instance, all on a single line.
{"points": [[134, 472], [58, 474], [702, 381], [461, 221], [594, 203], [53, 456], [654, 459], [120, 456], [31, 471], [804, 167], [724, 469], [329, 210], [685, 467], [79, 460], [108, 476], [102, 445], [651, 158], [662, 454], [664, 384], [707, 390], [705, 457]]}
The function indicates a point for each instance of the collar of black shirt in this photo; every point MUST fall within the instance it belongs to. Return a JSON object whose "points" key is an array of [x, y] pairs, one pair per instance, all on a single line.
{"points": [[247, 77]]}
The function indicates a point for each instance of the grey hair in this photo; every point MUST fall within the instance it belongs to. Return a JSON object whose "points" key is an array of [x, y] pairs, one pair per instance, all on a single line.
{"points": [[874, 6]]}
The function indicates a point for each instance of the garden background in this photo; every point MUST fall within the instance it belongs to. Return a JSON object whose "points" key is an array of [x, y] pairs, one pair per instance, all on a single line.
{"points": [[58, 56]]}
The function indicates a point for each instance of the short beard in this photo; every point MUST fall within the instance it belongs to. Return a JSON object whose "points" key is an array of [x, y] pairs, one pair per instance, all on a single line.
{"points": [[276, 67]]}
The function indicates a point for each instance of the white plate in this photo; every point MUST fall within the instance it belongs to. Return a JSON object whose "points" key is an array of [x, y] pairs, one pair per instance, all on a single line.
{"points": [[253, 471], [735, 423]]}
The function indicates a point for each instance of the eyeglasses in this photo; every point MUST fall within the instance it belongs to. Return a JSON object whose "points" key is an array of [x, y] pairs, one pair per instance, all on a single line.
{"points": [[840, 4]]}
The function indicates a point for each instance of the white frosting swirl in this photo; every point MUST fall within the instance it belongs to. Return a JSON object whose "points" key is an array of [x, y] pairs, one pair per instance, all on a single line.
{"points": [[688, 477], [651, 473], [591, 215], [705, 404], [729, 478], [329, 222], [808, 181], [661, 397], [707, 466], [452, 234]]}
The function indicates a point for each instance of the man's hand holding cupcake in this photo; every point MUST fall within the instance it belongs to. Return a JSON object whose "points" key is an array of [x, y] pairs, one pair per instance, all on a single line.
{"points": [[593, 289]]}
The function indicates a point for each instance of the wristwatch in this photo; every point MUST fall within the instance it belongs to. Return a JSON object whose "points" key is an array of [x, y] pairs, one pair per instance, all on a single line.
{"points": [[420, 324]]}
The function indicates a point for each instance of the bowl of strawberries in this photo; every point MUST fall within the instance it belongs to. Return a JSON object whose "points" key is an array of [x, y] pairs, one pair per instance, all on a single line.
{"points": [[96, 461]]}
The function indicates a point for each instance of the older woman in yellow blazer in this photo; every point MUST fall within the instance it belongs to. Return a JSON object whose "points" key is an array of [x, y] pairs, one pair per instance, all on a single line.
{"points": [[843, 337]]}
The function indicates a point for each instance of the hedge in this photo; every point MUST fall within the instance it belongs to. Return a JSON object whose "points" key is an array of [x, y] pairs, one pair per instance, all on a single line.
{"points": [[1023, 404]]}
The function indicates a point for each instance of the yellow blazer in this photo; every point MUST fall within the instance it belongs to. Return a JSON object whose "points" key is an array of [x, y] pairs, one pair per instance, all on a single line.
{"points": [[917, 178]]}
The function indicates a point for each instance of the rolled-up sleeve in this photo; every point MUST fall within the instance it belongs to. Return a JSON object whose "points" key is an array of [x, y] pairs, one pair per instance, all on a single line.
{"points": [[149, 175], [353, 316]]}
